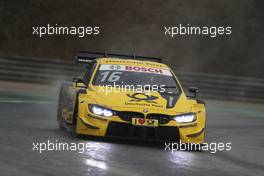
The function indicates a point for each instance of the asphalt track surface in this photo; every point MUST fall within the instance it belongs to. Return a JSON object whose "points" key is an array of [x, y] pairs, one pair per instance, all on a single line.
{"points": [[23, 123]]}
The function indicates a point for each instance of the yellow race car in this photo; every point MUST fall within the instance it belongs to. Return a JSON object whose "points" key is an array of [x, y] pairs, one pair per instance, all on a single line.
{"points": [[132, 97]]}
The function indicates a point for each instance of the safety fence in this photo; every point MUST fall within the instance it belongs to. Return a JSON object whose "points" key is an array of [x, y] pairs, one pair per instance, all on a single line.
{"points": [[211, 86]]}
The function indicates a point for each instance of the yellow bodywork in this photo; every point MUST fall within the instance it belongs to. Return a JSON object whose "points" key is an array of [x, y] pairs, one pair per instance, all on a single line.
{"points": [[94, 125]]}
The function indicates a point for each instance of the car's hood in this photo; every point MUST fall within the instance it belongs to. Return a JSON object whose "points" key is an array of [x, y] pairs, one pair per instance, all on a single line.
{"points": [[132, 101]]}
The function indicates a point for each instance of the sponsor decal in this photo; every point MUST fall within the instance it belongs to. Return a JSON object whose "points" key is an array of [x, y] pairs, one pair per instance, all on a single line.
{"points": [[144, 104], [141, 121], [115, 61], [171, 100], [136, 69], [137, 97], [144, 69], [145, 122], [83, 60], [115, 67]]}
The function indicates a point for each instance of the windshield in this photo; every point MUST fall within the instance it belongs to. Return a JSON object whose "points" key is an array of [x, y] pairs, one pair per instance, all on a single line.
{"points": [[110, 75]]}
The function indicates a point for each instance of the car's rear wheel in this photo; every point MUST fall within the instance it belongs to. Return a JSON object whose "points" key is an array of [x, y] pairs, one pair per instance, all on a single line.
{"points": [[60, 105]]}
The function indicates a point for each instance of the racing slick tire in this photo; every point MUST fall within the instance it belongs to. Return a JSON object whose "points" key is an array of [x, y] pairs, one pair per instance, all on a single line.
{"points": [[75, 119], [61, 101]]}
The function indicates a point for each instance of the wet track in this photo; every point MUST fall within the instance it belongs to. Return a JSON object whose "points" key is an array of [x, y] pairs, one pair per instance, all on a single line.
{"points": [[25, 123]]}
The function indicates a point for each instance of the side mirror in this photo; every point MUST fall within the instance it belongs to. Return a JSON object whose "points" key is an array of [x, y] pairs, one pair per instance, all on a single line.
{"points": [[79, 83], [76, 80], [194, 91]]}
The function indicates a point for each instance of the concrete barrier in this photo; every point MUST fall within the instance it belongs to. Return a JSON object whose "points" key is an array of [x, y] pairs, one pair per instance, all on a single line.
{"points": [[212, 86]]}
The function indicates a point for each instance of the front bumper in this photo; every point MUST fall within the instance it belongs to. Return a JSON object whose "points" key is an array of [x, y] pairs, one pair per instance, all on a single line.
{"points": [[116, 127]]}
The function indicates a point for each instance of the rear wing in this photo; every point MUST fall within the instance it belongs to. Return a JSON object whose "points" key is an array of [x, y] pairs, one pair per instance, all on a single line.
{"points": [[86, 57]]}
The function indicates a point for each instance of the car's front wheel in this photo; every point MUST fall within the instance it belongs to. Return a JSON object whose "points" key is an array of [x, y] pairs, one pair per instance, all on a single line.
{"points": [[75, 120]]}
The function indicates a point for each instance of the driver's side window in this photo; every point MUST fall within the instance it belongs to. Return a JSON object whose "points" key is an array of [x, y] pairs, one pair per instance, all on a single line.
{"points": [[88, 74]]}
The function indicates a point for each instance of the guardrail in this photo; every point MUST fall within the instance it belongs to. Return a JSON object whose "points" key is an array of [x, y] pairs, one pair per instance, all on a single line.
{"points": [[212, 86]]}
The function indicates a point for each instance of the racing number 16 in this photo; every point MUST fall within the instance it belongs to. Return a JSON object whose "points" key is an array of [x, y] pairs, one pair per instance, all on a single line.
{"points": [[113, 77]]}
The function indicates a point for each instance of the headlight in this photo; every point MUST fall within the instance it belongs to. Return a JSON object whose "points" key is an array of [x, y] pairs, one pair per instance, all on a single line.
{"points": [[99, 110], [185, 118]]}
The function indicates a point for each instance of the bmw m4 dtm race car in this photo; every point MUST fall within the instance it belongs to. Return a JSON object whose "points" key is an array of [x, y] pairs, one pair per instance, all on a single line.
{"points": [[132, 97]]}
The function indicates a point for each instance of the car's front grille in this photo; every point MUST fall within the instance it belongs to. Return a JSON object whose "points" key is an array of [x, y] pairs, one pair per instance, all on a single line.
{"points": [[162, 118], [128, 115], [126, 130]]}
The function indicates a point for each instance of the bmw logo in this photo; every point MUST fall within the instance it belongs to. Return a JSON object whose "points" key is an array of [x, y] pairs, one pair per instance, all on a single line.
{"points": [[115, 67], [145, 110]]}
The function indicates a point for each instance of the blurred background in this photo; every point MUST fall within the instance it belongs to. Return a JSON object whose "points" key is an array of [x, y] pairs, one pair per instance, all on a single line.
{"points": [[227, 66]]}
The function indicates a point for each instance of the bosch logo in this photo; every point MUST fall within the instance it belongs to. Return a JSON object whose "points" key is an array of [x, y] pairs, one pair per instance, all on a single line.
{"points": [[144, 69]]}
